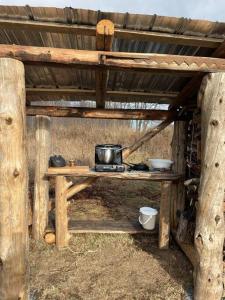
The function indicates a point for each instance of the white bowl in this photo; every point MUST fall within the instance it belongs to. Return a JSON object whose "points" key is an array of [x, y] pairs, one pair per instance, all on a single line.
{"points": [[160, 163]]}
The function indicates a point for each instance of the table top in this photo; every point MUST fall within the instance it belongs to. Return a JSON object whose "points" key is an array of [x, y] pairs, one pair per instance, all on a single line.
{"points": [[132, 175]]}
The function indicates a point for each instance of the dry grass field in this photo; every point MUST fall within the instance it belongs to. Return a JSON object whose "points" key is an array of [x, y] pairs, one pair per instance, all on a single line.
{"points": [[76, 139], [100, 266]]}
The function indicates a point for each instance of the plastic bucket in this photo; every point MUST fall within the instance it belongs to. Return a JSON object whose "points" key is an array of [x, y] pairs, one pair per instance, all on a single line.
{"points": [[147, 217]]}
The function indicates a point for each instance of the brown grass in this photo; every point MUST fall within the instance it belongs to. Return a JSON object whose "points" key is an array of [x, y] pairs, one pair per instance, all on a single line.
{"points": [[108, 266], [76, 139]]}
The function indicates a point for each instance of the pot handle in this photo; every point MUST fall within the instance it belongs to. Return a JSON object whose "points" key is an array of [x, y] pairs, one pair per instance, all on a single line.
{"points": [[120, 149]]}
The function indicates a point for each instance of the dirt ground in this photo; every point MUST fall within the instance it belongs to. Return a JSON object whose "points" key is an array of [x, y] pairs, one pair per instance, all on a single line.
{"points": [[110, 266]]}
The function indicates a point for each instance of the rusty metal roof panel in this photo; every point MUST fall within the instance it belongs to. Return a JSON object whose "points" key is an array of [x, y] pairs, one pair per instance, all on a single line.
{"points": [[85, 79]]}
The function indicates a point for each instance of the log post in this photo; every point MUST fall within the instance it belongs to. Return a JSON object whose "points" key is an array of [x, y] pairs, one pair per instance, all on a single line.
{"points": [[61, 218], [13, 182], [41, 184], [104, 40], [209, 233], [178, 156], [164, 215]]}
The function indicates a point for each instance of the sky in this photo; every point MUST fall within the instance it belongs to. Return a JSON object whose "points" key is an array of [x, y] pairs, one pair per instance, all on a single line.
{"points": [[213, 10]]}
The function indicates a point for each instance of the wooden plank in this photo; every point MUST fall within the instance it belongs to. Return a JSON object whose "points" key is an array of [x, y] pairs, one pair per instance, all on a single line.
{"points": [[41, 184], [164, 216], [81, 112], [75, 94], [105, 226], [209, 232], [134, 175], [121, 33], [104, 40], [61, 219], [13, 183], [69, 91], [113, 60]]}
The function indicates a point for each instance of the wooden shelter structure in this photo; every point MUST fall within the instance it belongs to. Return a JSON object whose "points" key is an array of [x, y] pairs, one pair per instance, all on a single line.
{"points": [[51, 54]]}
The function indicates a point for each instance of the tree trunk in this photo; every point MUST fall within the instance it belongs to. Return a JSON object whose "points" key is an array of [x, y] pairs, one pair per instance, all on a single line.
{"points": [[209, 234], [13, 182], [41, 184]]}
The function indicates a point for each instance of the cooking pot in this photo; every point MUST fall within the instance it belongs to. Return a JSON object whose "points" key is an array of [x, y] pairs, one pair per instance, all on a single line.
{"points": [[108, 153]]}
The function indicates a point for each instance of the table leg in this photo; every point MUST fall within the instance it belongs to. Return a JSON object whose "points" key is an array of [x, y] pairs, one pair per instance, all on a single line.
{"points": [[61, 219], [164, 215]]}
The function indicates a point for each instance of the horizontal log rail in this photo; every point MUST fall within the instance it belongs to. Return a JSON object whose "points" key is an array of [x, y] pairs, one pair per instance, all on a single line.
{"points": [[86, 94], [120, 33], [112, 60], [123, 114]]}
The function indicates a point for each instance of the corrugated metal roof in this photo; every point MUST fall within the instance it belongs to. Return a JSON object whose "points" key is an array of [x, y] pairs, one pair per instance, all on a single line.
{"points": [[85, 79]]}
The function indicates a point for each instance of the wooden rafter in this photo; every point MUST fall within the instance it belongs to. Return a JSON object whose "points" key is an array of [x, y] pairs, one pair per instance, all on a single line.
{"points": [[113, 60], [85, 94], [147, 136], [120, 33], [123, 114], [104, 40]]}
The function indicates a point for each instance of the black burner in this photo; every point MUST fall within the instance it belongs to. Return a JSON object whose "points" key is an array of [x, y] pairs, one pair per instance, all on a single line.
{"points": [[109, 168]]}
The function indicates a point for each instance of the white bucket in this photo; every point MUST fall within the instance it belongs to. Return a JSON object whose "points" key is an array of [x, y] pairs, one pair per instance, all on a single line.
{"points": [[147, 217]]}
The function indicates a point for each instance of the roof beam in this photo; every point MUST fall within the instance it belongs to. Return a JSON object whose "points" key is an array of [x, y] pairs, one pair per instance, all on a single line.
{"points": [[113, 60], [120, 33], [104, 40], [122, 114], [84, 94]]}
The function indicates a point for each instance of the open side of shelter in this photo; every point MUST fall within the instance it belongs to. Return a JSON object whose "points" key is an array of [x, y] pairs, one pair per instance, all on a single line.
{"points": [[54, 55]]}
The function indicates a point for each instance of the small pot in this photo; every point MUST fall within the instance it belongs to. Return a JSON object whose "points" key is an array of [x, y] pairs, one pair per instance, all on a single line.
{"points": [[108, 153]]}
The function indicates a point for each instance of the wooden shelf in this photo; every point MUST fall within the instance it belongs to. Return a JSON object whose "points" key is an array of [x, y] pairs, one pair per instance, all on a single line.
{"points": [[105, 226], [133, 175]]}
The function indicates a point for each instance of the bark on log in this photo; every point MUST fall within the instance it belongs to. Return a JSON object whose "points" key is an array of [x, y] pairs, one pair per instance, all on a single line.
{"points": [[209, 234], [13, 183], [81, 112], [41, 184], [113, 60]]}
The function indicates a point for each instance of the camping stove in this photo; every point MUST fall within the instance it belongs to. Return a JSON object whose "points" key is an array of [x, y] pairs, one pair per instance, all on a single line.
{"points": [[108, 158], [109, 168]]}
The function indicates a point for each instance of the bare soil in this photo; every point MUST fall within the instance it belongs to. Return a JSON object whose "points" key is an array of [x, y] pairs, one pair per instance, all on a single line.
{"points": [[110, 266]]}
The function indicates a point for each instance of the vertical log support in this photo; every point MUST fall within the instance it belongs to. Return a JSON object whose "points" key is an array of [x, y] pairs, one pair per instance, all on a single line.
{"points": [[209, 234], [13, 182], [178, 156], [41, 184], [164, 217], [61, 219], [104, 40]]}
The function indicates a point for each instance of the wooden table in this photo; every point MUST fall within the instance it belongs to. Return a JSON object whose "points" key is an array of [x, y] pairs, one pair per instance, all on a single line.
{"points": [[66, 189]]}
